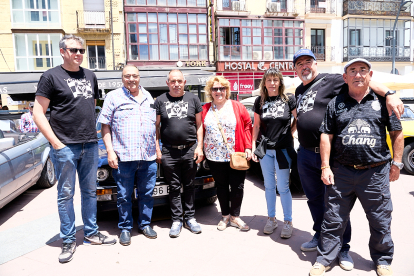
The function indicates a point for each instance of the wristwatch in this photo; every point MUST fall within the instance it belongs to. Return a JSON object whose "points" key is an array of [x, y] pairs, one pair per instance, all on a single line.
{"points": [[398, 165], [389, 92]]}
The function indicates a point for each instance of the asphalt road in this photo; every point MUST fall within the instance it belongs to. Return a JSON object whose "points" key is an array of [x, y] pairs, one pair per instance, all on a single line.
{"points": [[30, 244]]}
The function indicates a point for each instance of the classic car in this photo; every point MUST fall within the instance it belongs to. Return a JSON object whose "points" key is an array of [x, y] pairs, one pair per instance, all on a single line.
{"points": [[24, 158], [205, 190]]}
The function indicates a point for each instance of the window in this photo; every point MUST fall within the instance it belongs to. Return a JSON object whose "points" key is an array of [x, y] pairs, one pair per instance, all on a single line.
{"points": [[170, 3], [162, 36], [35, 13], [318, 43], [96, 54], [37, 51], [259, 39]]}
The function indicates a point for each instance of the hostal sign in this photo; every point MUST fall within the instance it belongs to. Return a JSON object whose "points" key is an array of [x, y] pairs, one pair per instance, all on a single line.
{"points": [[254, 65]]}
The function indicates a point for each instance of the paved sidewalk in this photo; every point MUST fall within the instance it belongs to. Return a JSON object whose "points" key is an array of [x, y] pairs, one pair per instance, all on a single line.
{"points": [[210, 253]]}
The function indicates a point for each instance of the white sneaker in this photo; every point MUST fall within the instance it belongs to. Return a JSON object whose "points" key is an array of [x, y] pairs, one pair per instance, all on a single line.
{"points": [[345, 261], [270, 226], [287, 230]]}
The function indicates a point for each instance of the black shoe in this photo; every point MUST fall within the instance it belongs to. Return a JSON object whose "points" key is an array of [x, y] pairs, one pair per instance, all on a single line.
{"points": [[125, 237], [68, 249], [148, 232]]}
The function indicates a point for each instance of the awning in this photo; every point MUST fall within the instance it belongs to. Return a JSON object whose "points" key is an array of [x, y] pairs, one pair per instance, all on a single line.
{"points": [[26, 82]]}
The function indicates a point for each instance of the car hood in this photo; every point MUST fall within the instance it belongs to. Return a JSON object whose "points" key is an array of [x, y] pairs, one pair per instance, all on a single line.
{"points": [[103, 157], [408, 127]]}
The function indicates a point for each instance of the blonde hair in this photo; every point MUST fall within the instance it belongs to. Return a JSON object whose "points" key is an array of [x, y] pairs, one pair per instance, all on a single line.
{"points": [[264, 94], [222, 80]]}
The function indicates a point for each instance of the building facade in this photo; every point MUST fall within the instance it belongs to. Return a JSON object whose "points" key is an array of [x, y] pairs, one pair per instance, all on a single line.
{"points": [[30, 31]]}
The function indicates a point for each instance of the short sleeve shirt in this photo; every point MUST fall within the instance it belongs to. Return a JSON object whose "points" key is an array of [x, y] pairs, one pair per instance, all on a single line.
{"points": [[359, 129], [132, 124], [72, 103], [275, 119], [311, 107], [178, 118], [214, 147]]}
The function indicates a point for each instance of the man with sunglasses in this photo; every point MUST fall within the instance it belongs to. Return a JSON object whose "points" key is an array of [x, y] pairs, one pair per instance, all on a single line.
{"points": [[312, 98], [128, 131], [70, 92], [179, 127], [356, 164]]}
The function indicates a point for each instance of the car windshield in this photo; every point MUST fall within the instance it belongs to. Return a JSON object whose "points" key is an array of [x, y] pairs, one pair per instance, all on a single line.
{"points": [[408, 114], [11, 134]]}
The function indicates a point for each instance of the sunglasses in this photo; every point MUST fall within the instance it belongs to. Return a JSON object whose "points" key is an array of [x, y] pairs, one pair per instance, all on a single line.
{"points": [[217, 89], [75, 50]]}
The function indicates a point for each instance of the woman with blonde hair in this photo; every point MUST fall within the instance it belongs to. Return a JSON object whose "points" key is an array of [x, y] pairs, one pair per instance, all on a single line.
{"points": [[233, 118], [273, 110]]}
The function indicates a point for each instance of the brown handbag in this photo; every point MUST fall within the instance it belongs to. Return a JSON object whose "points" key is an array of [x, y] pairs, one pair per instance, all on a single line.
{"points": [[238, 160]]}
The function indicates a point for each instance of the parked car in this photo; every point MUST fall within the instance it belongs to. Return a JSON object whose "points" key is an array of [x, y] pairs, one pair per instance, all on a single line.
{"points": [[205, 188], [24, 159]]}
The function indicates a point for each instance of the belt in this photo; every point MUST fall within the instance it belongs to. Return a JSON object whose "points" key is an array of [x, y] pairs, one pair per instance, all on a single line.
{"points": [[314, 149], [179, 146], [363, 167]]}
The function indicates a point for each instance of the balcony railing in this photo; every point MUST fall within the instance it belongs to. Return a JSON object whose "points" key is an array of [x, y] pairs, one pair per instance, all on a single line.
{"points": [[367, 7], [281, 6], [327, 7], [376, 53], [323, 53], [93, 21], [229, 5], [97, 63]]}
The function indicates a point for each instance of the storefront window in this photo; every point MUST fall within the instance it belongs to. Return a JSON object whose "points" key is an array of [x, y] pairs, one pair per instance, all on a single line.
{"points": [[37, 51], [372, 39], [259, 39], [172, 36], [170, 3]]}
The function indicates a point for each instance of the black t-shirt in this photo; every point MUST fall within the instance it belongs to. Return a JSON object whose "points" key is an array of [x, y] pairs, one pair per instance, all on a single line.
{"points": [[275, 119], [312, 106], [178, 118], [72, 103], [360, 137]]}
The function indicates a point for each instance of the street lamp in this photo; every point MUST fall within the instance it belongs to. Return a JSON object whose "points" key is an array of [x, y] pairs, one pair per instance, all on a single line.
{"points": [[403, 6]]}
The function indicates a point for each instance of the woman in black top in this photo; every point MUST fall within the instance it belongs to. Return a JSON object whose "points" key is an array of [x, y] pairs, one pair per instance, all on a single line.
{"points": [[273, 111]]}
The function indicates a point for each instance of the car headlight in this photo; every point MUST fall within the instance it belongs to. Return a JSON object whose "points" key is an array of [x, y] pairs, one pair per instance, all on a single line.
{"points": [[102, 174]]}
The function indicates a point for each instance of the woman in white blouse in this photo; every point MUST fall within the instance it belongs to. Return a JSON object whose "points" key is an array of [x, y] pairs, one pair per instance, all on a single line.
{"points": [[237, 127]]}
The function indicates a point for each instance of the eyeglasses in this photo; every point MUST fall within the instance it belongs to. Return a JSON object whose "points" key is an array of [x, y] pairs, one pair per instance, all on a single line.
{"points": [[353, 73], [217, 89], [131, 76], [75, 50]]}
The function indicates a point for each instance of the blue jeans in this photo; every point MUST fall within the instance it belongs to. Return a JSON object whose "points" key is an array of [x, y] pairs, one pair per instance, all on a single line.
{"points": [[141, 174], [83, 159], [309, 167], [269, 168]]}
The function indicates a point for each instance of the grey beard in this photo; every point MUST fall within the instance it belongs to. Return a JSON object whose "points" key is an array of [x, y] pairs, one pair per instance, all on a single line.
{"points": [[308, 77]]}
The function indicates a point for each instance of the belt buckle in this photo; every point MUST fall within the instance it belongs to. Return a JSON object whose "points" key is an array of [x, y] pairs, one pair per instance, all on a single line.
{"points": [[316, 149], [180, 147]]}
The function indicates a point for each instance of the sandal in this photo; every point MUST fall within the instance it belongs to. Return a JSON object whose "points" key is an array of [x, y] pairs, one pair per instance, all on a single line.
{"points": [[238, 223], [223, 223]]}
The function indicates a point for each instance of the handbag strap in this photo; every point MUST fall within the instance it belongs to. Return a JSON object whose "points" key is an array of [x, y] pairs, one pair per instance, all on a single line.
{"points": [[213, 106]]}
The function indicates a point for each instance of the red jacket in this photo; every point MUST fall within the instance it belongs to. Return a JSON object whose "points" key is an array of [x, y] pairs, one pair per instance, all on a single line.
{"points": [[243, 125]]}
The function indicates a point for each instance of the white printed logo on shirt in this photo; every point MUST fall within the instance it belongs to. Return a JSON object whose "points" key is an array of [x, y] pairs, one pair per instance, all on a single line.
{"points": [[80, 87], [359, 134], [306, 103], [176, 109], [274, 109]]}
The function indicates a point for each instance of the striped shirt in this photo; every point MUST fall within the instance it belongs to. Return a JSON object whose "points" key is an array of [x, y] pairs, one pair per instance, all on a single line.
{"points": [[27, 124], [132, 124]]}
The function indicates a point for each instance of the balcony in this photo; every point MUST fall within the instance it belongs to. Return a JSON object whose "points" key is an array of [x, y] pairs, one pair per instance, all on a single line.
{"points": [[93, 21], [232, 8], [97, 63], [323, 53], [281, 8], [327, 7], [373, 8], [376, 53]]}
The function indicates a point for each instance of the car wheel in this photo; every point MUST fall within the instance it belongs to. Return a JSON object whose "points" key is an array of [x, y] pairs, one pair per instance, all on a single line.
{"points": [[211, 200], [47, 177], [408, 158]]}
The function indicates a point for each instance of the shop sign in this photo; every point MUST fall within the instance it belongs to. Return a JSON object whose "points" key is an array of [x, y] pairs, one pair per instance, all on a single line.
{"points": [[196, 63], [243, 86], [255, 65]]}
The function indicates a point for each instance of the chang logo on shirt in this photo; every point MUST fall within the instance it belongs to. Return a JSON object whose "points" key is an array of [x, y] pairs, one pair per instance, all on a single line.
{"points": [[359, 134], [176, 109], [306, 102], [80, 87], [274, 109]]}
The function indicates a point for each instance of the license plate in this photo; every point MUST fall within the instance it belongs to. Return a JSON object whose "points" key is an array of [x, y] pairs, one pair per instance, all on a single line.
{"points": [[161, 190], [208, 186]]}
